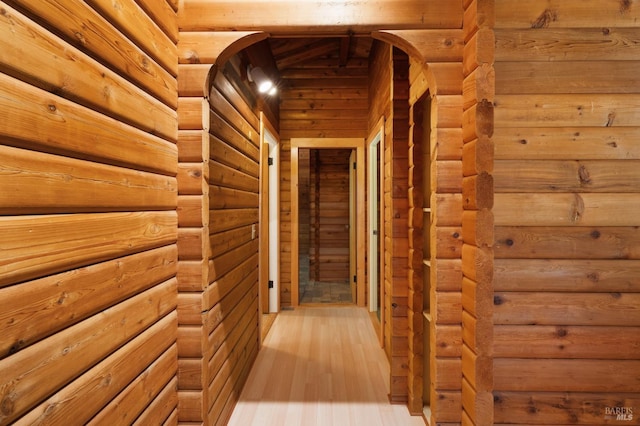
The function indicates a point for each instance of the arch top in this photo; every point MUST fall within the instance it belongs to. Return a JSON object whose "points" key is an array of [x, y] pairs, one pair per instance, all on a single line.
{"points": [[426, 45], [434, 48], [210, 50], [439, 51]]}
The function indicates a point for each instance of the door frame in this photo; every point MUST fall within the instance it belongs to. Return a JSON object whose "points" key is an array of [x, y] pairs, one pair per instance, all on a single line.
{"points": [[375, 141], [353, 221], [269, 197], [356, 144]]}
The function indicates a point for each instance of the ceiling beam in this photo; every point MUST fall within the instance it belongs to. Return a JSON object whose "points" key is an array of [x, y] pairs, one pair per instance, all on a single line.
{"points": [[345, 47]]}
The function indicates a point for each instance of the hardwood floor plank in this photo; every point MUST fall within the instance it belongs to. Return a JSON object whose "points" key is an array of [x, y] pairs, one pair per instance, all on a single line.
{"points": [[320, 365]]}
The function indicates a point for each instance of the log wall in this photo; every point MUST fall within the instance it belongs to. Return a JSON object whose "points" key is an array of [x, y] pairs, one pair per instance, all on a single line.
{"points": [[566, 306], [97, 269], [405, 235], [477, 218], [88, 256], [435, 232], [218, 181], [435, 240]]}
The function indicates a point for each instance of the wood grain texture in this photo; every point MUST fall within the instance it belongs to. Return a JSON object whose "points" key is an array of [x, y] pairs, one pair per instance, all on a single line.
{"points": [[80, 240], [561, 143], [318, 16], [85, 397], [566, 110], [565, 14], [45, 184], [39, 57], [92, 33], [567, 44], [320, 365], [592, 309], [77, 348], [539, 242], [614, 275], [66, 128], [569, 176], [574, 342], [53, 303], [88, 265], [567, 375], [566, 209], [567, 77], [586, 408], [141, 28]]}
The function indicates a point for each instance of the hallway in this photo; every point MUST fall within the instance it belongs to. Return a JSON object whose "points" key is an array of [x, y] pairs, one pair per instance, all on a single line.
{"points": [[320, 366]]}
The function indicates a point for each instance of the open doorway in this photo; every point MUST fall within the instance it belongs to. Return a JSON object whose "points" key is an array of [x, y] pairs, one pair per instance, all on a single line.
{"points": [[323, 193], [269, 228], [324, 233], [375, 165]]}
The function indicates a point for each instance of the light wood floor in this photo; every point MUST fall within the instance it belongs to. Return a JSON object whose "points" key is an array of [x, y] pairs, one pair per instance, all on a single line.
{"points": [[320, 366]]}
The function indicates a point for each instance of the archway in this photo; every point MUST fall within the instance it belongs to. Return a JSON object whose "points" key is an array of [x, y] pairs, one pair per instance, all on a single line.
{"points": [[440, 53]]}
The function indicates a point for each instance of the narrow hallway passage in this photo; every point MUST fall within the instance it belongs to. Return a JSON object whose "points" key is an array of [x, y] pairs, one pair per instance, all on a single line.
{"points": [[320, 366]]}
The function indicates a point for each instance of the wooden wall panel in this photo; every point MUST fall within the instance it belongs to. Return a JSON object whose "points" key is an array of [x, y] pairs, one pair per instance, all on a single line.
{"points": [[323, 119], [37, 56], [565, 227], [361, 15], [89, 228], [218, 184], [329, 216]]}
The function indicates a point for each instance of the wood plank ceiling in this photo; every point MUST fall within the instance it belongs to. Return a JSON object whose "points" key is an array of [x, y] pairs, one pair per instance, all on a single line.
{"points": [[323, 83]]}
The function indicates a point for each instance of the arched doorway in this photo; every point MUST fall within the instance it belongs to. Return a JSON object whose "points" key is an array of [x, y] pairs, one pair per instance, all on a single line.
{"points": [[439, 69]]}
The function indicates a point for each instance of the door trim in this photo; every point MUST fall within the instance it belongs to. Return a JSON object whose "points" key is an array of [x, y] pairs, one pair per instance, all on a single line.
{"points": [[377, 135], [268, 199]]}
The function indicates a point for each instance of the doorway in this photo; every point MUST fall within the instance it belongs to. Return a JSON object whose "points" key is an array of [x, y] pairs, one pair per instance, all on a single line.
{"points": [[269, 227], [323, 262], [325, 235], [375, 203]]}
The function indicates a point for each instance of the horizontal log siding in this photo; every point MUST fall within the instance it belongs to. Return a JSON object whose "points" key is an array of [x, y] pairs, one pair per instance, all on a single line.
{"points": [[218, 210], [566, 308], [319, 16], [88, 288], [231, 298], [329, 216]]}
